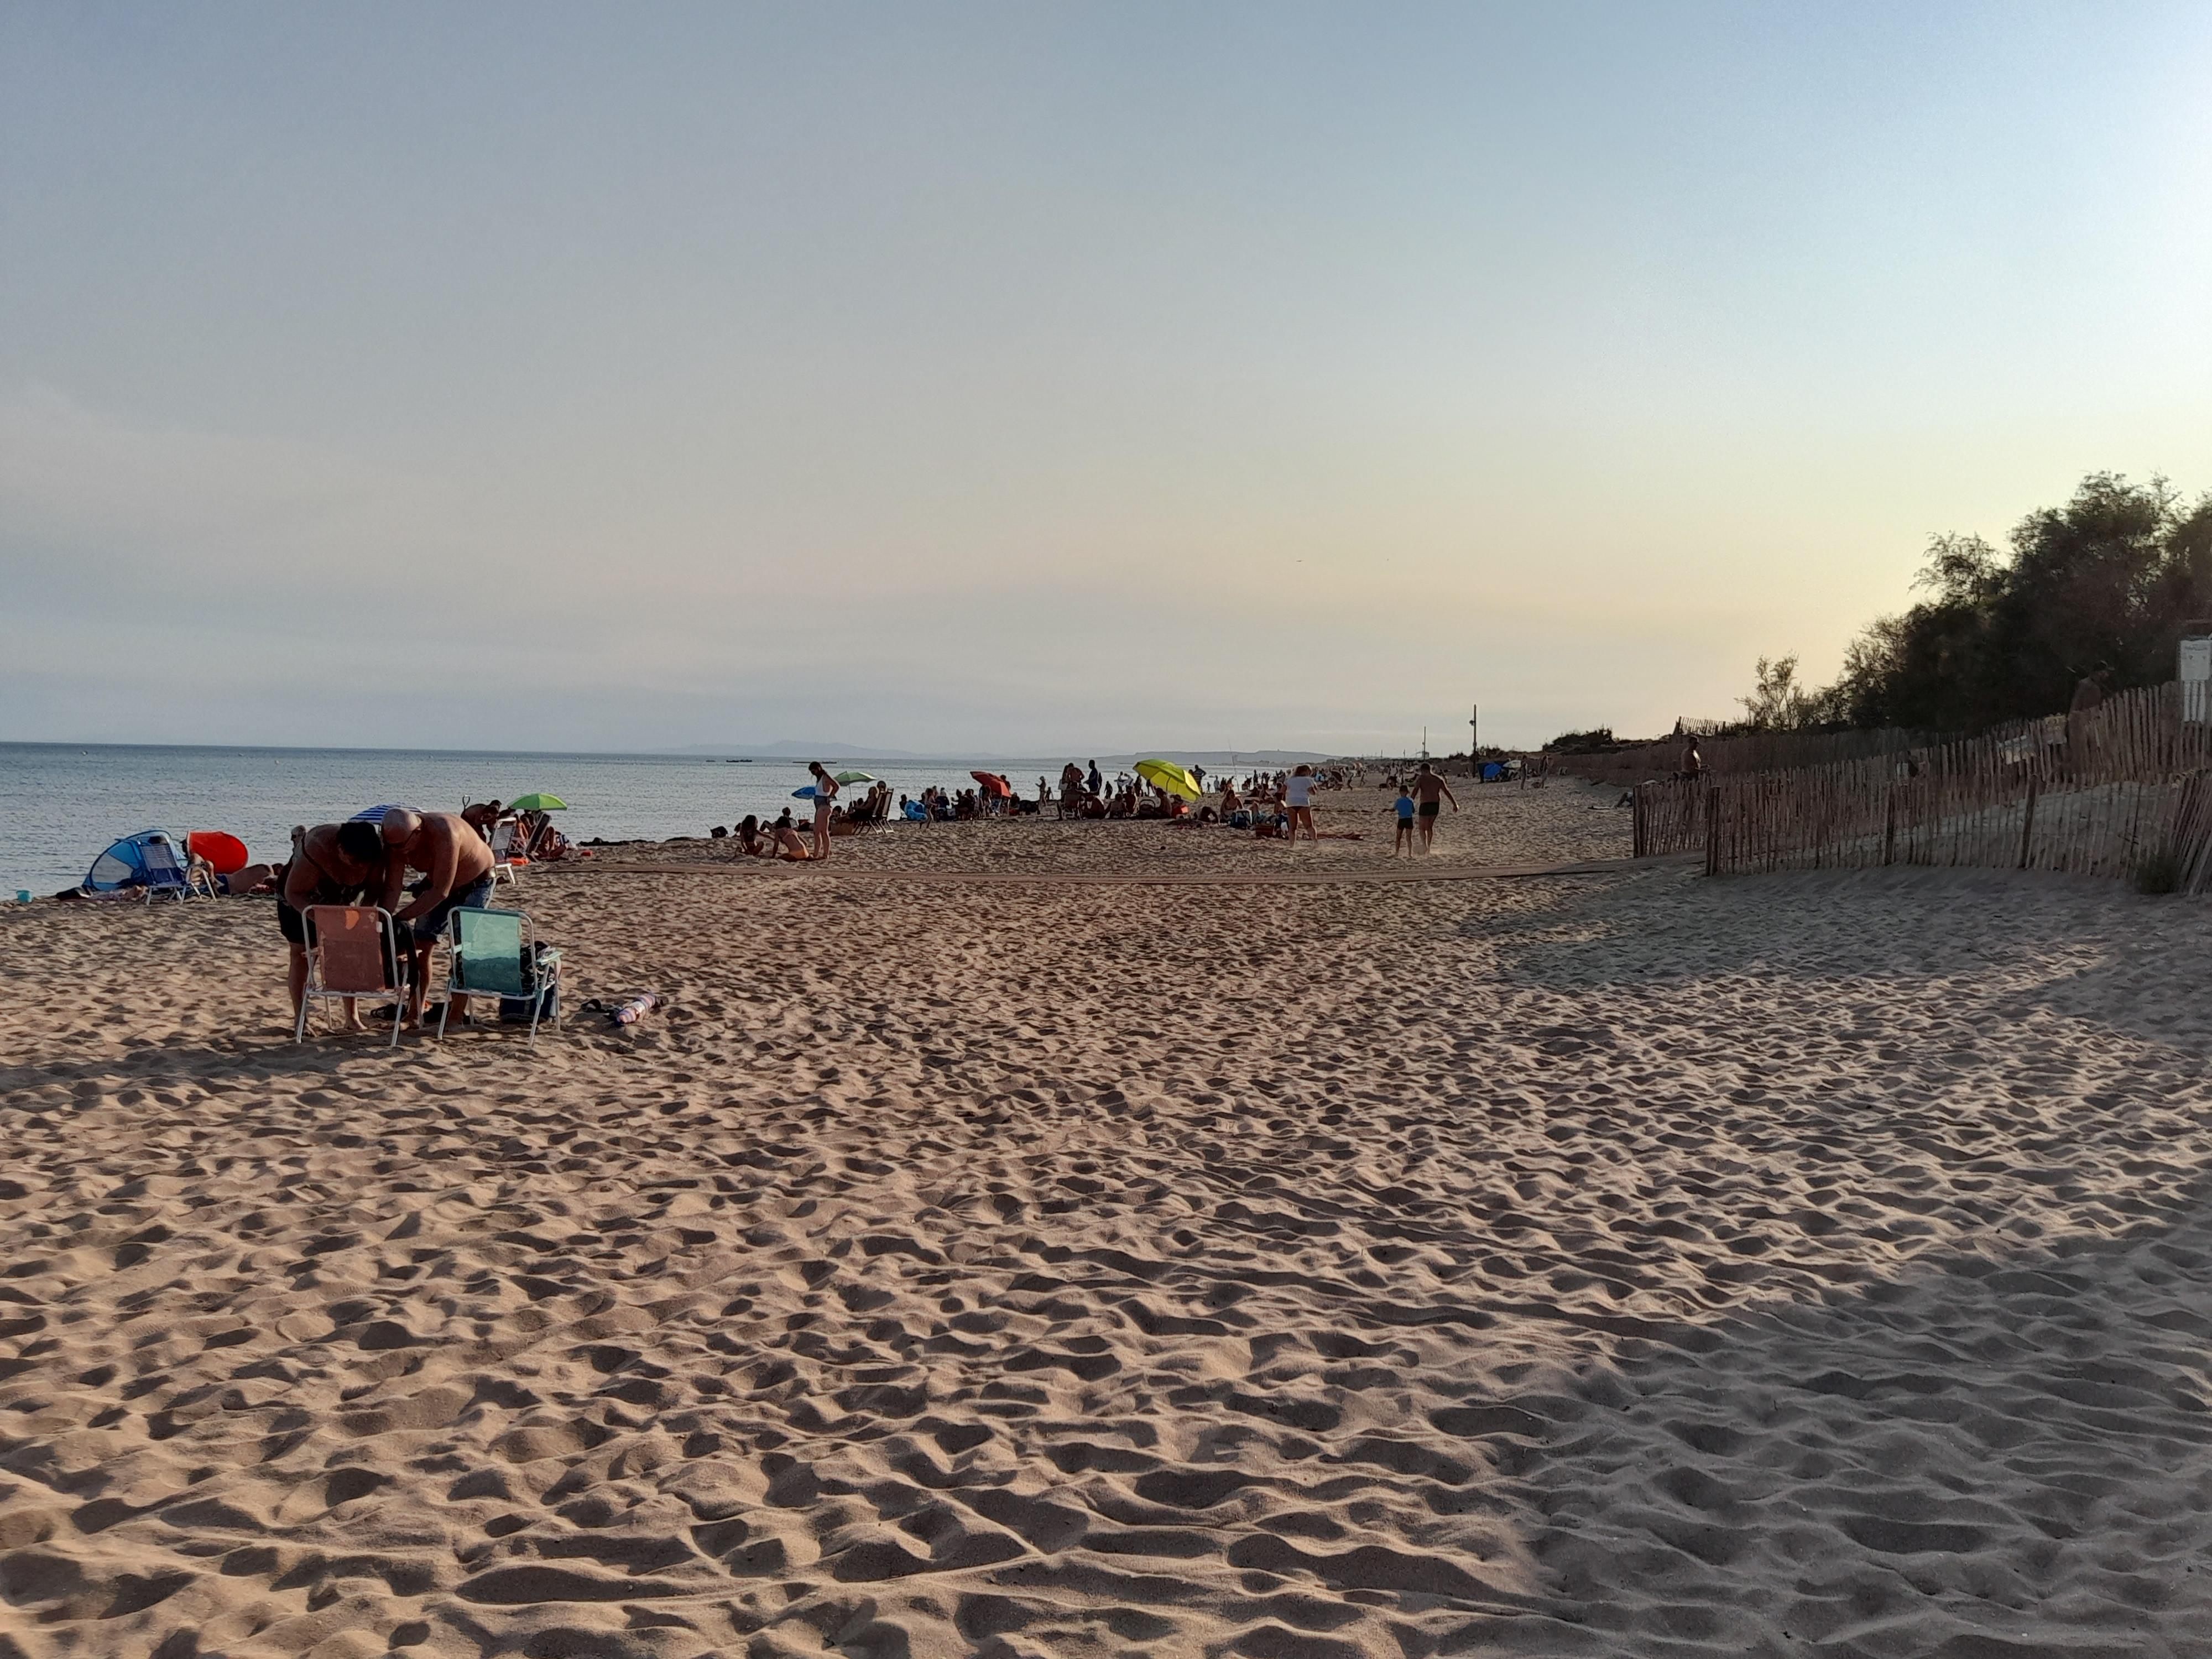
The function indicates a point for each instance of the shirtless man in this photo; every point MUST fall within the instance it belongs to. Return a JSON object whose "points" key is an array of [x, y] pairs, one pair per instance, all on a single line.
{"points": [[446, 848], [331, 864], [1426, 786]]}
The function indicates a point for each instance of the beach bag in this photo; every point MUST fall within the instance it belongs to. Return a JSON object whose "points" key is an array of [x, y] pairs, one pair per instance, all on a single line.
{"points": [[515, 1010]]}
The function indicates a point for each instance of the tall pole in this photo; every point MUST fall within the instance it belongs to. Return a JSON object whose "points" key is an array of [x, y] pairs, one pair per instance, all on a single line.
{"points": [[1474, 733]]}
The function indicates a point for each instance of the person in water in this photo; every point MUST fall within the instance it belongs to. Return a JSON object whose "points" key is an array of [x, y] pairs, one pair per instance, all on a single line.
{"points": [[458, 867], [331, 864]]}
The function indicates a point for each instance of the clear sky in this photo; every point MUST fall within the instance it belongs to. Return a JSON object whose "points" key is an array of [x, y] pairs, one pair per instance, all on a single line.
{"points": [[1020, 377]]}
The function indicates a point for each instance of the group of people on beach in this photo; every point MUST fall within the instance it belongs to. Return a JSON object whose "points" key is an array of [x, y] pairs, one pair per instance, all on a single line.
{"points": [[780, 838], [366, 860], [1270, 804]]}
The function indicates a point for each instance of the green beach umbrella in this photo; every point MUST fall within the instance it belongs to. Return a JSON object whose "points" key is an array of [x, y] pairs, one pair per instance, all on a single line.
{"points": [[856, 777], [537, 804]]}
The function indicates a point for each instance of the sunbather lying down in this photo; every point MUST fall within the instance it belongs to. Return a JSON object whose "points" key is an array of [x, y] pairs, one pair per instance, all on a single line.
{"points": [[252, 878]]}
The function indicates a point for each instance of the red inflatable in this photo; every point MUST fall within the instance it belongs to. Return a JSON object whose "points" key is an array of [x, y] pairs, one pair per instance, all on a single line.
{"points": [[225, 855]]}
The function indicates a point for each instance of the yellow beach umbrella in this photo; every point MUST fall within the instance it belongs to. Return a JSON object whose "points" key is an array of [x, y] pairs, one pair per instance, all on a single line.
{"points": [[1167, 775]]}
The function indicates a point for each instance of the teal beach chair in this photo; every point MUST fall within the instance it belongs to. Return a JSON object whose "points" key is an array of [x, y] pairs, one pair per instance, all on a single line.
{"points": [[495, 954]]}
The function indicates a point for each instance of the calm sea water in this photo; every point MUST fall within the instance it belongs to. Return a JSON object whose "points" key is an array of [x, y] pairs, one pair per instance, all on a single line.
{"points": [[60, 804]]}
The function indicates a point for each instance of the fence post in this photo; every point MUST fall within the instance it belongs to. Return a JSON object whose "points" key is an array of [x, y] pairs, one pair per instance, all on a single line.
{"points": [[1889, 825], [2028, 819], [1636, 824], [1713, 831]]}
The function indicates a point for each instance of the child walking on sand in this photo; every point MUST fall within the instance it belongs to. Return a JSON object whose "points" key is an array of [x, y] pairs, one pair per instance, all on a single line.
{"points": [[1405, 811]]}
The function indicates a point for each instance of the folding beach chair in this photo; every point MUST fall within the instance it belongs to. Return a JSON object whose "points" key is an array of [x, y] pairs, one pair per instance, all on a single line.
{"points": [[164, 875], [495, 954], [359, 954], [502, 851]]}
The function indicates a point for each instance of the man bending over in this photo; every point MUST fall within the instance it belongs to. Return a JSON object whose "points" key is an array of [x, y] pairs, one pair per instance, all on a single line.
{"points": [[457, 864], [331, 864]]}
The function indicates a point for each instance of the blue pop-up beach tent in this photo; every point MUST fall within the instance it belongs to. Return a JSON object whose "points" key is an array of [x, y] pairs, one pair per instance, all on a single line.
{"points": [[123, 864]]}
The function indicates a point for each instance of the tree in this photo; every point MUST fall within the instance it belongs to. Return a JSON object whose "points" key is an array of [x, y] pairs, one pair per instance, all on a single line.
{"points": [[1777, 702], [2107, 580]]}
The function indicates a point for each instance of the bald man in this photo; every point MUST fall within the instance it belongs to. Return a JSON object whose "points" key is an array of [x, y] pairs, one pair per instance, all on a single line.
{"points": [[458, 864]]}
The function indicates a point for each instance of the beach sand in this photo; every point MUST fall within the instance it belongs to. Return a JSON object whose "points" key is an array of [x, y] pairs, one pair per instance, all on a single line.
{"points": [[1114, 1239]]}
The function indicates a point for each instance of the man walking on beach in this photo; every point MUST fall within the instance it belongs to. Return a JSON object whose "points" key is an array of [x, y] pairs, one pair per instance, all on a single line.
{"points": [[446, 848], [1427, 786]]}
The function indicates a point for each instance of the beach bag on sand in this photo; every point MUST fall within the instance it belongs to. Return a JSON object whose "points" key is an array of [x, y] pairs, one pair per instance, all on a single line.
{"points": [[515, 1010]]}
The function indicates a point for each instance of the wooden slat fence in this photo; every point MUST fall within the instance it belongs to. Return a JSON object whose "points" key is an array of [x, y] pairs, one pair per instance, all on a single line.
{"points": [[1669, 817], [2103, 793], [1750, 751]]}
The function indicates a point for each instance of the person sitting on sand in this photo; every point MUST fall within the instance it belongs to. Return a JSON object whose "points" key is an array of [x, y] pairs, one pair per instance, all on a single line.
{"points": [[457, 867], [751, 842], [331, 864], [790, 847], [1231, 800], [1404, 809]]}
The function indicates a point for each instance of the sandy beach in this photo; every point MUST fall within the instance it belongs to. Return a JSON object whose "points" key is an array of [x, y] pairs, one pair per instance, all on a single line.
{"points": [[1103, 1239]]}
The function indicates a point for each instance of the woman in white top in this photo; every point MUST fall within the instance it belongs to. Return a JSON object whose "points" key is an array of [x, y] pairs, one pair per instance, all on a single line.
{"points": [[1298, 798], [825, 791]]}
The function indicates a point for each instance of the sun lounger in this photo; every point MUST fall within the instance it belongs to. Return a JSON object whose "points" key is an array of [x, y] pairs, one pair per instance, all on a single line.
{"points": [[495, 954], [356, 954]]}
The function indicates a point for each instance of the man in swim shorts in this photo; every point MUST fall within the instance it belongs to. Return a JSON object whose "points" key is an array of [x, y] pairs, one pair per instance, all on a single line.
{"points": [[1427, 786], [446, 848], [331, 864]]}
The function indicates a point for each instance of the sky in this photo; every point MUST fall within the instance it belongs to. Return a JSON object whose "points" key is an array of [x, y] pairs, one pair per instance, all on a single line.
{"points": [[1014, 378]]}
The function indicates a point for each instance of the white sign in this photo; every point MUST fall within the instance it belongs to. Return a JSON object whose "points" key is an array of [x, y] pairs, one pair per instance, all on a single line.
{"points": [[2197, 679]]}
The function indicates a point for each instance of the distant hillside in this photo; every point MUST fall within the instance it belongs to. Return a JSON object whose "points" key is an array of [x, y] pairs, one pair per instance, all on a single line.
{"points": [[786, 750], [1212, 759]]}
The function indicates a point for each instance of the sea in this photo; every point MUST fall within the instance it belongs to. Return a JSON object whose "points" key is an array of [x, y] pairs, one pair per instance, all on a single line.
{"points": [[61, 803]]}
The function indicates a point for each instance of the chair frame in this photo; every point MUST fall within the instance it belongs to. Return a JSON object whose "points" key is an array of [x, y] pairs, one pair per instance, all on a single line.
{"points": [[502, 857], [547, 967], [178, 879], [400, 944]]}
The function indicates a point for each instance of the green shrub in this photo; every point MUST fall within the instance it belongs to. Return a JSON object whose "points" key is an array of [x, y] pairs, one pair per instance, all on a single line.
{"points": [[2158, 871]]}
